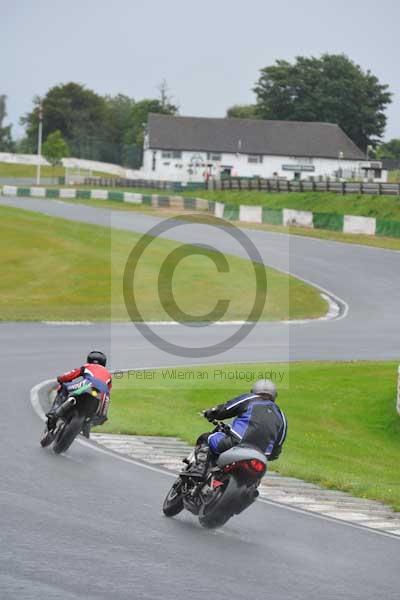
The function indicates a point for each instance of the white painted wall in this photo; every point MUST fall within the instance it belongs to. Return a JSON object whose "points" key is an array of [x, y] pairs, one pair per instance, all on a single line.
{"points": [[355, 224], [175, 169], [22, 159], [303, 218], [250, 214]]}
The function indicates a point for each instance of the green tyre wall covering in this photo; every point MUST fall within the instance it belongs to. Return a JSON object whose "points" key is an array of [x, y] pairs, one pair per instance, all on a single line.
{"points": [[329, 221], [83, 194], [163, 201], [116, 196], [387, 228], [231, 212], [146, 200], [23, 191], [52, 193], [273, 216], [189, 203]]}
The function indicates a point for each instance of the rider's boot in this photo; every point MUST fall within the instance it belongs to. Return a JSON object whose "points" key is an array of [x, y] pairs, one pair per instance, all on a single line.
{"points": [[51, 421], [52, 414], [200, 467], [93, 422], [86, 428]]}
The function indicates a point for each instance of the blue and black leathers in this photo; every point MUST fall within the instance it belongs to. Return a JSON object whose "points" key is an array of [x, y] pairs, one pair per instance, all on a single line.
{"points": [[259, 422]]}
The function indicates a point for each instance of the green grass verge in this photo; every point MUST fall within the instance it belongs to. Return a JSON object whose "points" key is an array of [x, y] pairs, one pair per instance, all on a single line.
{"points": [[394, 176], [343, 432], [365, 240], [383, 207], [14, 170], [322, 234], [58, 269]]}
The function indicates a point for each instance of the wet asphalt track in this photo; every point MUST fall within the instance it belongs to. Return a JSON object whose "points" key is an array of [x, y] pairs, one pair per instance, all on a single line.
{"points": [[88, 525]]}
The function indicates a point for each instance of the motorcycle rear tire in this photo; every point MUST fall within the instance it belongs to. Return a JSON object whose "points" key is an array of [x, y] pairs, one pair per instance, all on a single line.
{"points": [[173, 503], [221, 508], [68, 433]]}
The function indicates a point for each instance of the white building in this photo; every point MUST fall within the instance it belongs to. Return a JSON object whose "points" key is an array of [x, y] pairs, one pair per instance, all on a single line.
{"points": [[193, 148]]}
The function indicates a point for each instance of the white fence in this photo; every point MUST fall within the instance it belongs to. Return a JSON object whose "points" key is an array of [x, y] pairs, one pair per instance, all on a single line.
{"points": [[71, 163]]}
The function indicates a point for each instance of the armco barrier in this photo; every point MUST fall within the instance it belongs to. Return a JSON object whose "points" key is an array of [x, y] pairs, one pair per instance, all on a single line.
{"points": [[243, 213]]}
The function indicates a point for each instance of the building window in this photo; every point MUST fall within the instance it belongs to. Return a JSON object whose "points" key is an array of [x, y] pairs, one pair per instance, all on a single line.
{"points": [[212, 156], [171, 154], [254, 159], [303, 160]]}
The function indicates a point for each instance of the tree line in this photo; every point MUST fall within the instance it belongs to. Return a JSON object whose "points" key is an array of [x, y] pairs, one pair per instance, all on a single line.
{"points": [[330, 88], [81, 123]]}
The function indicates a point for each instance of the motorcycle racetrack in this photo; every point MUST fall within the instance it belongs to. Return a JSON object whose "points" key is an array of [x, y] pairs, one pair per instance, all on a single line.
{"points": [[89, 524]]}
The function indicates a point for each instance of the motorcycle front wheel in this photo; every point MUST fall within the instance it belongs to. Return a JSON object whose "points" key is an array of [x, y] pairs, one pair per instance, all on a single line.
{"points": [[68, 433], [173, 503], [47, 438]]}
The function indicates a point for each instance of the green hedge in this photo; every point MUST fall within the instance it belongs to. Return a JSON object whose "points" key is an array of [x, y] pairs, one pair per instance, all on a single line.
{"points": [[328, 221]]}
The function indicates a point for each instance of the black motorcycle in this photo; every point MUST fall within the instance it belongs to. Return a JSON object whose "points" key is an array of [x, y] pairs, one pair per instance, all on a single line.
{"points": [[78, 402], [229, 487]]}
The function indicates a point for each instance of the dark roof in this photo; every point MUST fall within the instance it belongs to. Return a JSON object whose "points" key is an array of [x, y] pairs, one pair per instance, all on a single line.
{"points": [[391, 164], [250, 136]]}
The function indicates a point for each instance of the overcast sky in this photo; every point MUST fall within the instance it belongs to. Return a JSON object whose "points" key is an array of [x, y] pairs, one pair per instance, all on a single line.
{"points": [[210, 52]]}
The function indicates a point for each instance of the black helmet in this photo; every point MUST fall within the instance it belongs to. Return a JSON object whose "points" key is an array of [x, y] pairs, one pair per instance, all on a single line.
{"points": [[265, 387], [97, 358]]}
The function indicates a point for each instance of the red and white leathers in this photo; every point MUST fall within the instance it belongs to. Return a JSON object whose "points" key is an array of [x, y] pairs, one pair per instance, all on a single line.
{"points": [[101, 379]]}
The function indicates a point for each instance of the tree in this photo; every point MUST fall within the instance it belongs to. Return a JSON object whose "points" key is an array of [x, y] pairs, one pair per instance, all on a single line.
{"points": [[55, 148], [109, 128], [329, 89], [242, 111], [389, 150], [122, 135], [141, 112], [6, 141], [128, 119], [79, 114]]}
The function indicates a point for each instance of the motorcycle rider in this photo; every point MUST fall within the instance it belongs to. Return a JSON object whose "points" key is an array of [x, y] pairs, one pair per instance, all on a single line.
{"points": [[258, 421], [95, 372]]}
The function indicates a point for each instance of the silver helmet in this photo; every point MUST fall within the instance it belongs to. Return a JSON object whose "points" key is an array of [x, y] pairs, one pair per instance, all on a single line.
{"points": [[265, 387]]}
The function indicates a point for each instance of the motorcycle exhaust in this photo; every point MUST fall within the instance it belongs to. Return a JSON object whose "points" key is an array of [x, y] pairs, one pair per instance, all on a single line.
{"points": [[61, 410]]}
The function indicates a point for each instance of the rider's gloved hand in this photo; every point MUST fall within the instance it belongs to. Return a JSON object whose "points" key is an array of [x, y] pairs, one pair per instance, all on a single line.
{"points": [[209, 414]]}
